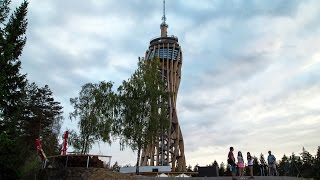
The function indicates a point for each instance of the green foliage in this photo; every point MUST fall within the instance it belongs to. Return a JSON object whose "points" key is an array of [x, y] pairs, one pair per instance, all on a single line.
{"points": [[31, 167], [42, 118], [75, 141], [9, 157], [94, 108], [189, 168], [142, 107], [12, 40], [4, 10], [283, 166], [316, 166], [307, 162], [115, 167], [256, 167], [215, 163], [26, 111], [222, 169], [294, 165], [305, 165], [195, 168], [228, 171]]}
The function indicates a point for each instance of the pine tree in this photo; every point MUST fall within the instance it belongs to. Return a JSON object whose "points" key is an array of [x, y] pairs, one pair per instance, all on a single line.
{"points": [[215, 163], [284, 166], [195, 168], [256, 166], [222, 169], [295, 165], [307, 162], [316, 166], [189, 168]]}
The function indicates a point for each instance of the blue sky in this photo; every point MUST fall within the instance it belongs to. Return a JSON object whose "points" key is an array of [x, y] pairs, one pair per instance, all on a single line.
{"points": [[250, 74]]}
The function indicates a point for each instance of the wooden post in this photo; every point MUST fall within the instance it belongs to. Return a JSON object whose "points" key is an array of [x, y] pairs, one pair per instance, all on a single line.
{"points": [[88, 161]]}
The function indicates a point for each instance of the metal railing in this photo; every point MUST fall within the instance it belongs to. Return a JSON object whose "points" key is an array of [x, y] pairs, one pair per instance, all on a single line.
{"points": [[168, 37], [76, 160]]}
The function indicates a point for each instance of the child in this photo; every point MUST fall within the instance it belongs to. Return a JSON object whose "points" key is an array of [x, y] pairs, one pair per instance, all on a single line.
{"points": [[240, 164]]}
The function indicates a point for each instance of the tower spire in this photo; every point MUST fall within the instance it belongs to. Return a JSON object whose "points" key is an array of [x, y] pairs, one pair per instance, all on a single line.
{"points": [[164, 12], [163, 25]]}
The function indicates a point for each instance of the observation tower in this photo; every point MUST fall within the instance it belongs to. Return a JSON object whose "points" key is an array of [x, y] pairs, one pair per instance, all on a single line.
{"points": [[170, 148]]}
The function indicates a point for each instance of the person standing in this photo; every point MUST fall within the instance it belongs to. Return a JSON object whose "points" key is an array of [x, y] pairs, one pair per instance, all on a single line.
{"points": [[250, 164], [271, 164], [232, 163], [240, 164], [263, 166]]}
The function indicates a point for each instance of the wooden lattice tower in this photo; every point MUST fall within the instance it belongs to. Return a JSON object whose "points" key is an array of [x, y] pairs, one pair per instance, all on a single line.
{"points": [[169, 150]]}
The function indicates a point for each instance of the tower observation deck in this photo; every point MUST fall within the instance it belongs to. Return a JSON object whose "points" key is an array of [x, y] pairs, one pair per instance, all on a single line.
{"points": [[170, 148]]}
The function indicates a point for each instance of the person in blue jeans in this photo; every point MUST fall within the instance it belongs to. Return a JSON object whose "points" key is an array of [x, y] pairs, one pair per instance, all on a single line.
{"points": [[232, 162], [272, 164]]}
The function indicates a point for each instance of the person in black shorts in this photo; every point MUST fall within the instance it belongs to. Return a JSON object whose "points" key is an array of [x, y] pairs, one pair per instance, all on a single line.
{"points": [[250, 164]]}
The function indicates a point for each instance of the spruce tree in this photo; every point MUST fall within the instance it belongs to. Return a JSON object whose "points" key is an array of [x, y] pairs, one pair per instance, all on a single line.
{"points": [[316, 166], [222, 169], [12, 82], [256, 166], [284, 166], [189, 168], [307, 162], [195, 168], [42, 118]]}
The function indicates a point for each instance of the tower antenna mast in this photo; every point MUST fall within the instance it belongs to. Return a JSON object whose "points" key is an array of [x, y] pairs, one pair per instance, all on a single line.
{"points": [[164, 12]]}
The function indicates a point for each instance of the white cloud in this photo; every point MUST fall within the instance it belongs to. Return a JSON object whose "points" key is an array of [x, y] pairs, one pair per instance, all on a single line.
{"points": [[249, 76]]}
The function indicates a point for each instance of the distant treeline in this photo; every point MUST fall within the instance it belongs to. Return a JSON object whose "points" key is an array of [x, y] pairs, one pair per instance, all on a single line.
{"points": [[302, 165]]}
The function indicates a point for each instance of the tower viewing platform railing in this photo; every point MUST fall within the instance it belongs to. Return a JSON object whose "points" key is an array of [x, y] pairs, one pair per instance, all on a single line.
{"points": [[160, 39]]}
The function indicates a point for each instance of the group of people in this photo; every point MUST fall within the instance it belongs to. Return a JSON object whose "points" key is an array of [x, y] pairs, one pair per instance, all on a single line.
{"points": [[240, 163]]}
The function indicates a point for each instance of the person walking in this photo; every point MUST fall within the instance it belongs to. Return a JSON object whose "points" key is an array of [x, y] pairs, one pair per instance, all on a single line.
{"points": [[250, 164], [232, 163], [271, 164], [240, 164]]}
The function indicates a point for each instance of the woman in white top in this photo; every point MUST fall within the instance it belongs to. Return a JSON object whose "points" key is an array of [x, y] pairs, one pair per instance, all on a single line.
{"points": [[250, 164], [240, 164]]}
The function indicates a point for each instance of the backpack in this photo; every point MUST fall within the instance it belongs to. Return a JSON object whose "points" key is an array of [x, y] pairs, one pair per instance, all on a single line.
{"points": [[230, 161]]}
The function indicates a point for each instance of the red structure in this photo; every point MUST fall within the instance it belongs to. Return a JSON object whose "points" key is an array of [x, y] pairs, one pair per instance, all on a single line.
{"points": [[40, 152], [65, 142]]}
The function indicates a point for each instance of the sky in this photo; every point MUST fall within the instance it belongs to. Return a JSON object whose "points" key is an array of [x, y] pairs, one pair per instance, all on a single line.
{"points": [[250, 72]]}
